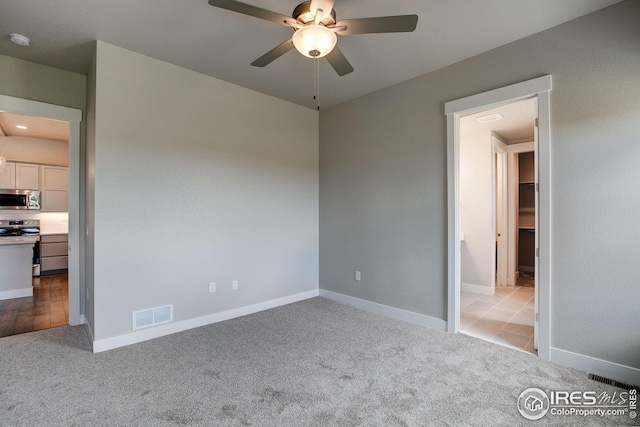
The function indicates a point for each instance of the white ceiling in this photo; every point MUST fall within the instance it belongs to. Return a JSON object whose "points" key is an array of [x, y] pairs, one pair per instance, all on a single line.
{"points": [[36, 127], [516, 125], [222, 44]]}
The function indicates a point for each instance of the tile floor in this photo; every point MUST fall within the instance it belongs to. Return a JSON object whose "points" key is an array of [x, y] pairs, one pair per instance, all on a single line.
{"points": [[505, 318]]}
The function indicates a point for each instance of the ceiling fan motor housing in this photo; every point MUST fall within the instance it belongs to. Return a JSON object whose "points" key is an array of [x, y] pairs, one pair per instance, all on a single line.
{"points": [[302, 14]]}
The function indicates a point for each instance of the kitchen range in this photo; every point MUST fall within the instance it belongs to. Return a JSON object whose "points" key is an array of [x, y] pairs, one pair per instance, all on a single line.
{"points": [[19, 257]]}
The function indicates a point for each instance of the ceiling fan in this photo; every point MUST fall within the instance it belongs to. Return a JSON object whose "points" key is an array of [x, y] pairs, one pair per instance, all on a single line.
{"points": [[315, 28]]}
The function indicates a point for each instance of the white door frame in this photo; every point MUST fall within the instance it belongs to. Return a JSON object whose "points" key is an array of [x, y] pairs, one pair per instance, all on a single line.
{"points": [[540, 88], [73, 116], [499, 202]]}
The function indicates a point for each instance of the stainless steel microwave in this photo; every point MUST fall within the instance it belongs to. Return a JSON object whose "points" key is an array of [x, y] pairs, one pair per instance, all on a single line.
{"points": [[19, 199]]}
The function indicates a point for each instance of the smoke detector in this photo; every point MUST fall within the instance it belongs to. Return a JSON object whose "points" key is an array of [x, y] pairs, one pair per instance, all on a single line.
{"points": [[19, 39]]}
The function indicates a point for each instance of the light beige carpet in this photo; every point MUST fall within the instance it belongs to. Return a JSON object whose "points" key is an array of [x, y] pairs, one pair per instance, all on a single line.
{"points": [[313, 363]]}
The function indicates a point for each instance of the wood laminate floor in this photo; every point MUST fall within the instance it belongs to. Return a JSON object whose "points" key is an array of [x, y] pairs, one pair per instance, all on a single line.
{"points": [[47, 308]]}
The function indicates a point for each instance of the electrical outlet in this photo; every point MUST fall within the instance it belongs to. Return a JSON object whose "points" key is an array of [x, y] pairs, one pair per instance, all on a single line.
{"points": [[357, 276], [234, 284], [212, 287]]}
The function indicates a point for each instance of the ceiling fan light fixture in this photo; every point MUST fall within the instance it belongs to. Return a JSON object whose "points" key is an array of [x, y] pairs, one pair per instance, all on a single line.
{"points": [[314, 41]]}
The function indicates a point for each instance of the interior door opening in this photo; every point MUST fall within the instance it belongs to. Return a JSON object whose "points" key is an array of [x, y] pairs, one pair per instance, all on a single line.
{"points": [[539, 89], [71, 119], [497, 218]]}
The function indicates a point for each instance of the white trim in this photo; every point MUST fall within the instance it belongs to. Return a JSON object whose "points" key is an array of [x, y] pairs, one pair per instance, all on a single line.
{"points": [[622, 373], [478, 289], [513, 142], [73, 186], [17, 293], [454, 251], [543, 297], [172, 328], [497, 97], [539, 88], [87, 328], [521, 147], [41, 109], [73, 116], [499, 211], [385, 310]]}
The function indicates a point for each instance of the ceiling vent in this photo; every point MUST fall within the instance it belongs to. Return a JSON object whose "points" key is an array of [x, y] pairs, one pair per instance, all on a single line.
{"points": [[490, 118]]}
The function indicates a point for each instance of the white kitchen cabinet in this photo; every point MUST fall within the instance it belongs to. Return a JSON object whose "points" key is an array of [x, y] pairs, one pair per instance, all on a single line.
{"points": [[19, 176], [27, 176], [53, 253], [53, 188], [8, 176]]}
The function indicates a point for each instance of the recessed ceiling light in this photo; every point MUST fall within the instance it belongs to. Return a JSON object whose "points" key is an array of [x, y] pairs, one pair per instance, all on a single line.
{"points": [[19, 39], [489, 118], [21, 127]]}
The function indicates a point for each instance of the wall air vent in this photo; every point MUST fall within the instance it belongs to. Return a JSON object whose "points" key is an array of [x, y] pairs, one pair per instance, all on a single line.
{"points": [[611, 382], [151, 317]]}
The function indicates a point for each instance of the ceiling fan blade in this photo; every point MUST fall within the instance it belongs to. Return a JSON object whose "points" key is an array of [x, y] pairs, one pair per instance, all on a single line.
{"points": [[325, 5], [273, 54], [339, 62], [247, 9], [382, 24]]}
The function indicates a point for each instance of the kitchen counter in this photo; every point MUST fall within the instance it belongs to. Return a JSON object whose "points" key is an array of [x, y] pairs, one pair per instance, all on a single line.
{"points": [[16, 265], [26, 240]]}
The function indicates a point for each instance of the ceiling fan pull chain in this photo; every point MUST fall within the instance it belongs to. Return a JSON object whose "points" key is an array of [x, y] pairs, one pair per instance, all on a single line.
{"points": [[318, 83], [315, 95]]}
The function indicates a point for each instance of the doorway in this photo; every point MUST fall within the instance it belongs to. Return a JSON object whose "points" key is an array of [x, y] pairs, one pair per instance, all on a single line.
{"points": [[539, 89], [497, 248], [73, 117]]}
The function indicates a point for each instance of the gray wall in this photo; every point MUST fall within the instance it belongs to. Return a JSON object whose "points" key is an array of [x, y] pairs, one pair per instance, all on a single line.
{"points": [[383, 182], [235, 170], [22, 79], [90, 196]]}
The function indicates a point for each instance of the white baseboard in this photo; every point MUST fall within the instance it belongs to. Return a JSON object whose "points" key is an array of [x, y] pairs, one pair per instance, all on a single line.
{"points": [[174, 327], [477, 289], [87, 328], [385, 310], [615, 371], [17, 293]]}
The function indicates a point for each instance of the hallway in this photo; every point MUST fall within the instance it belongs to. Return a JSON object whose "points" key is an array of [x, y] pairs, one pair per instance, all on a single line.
{"points": [[505, 318]]}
